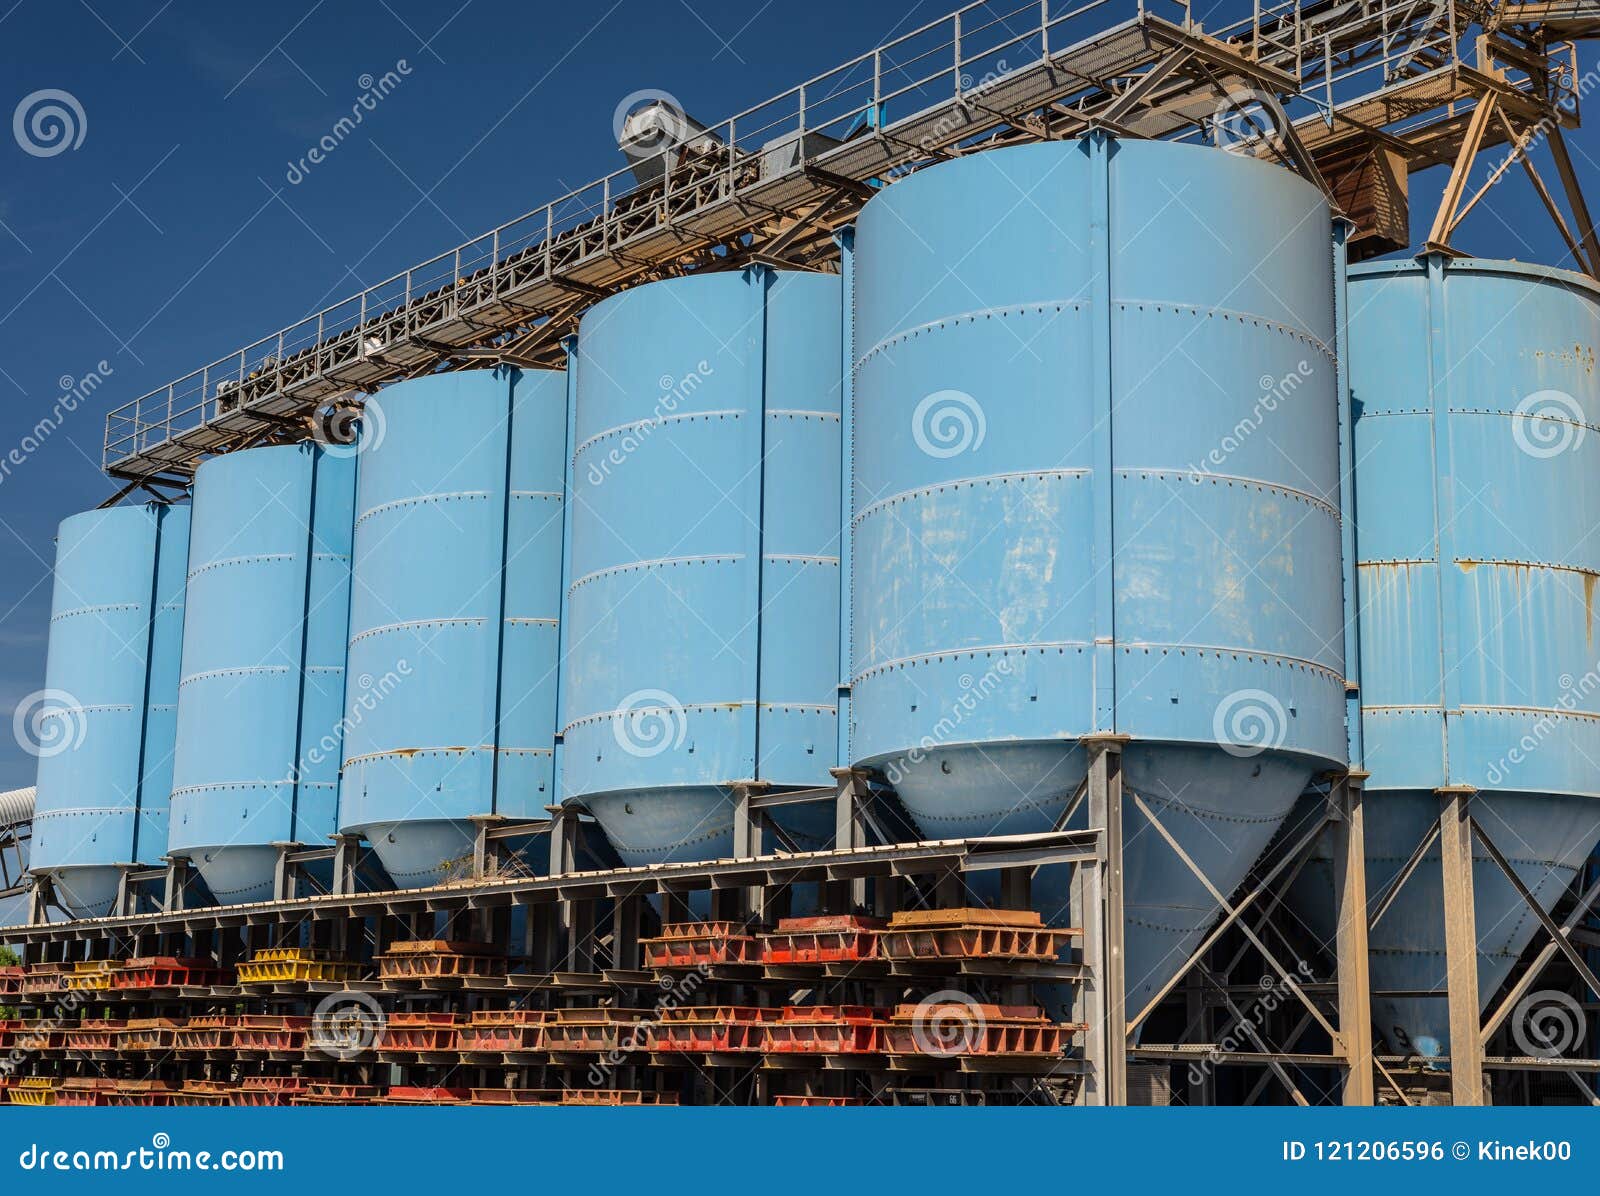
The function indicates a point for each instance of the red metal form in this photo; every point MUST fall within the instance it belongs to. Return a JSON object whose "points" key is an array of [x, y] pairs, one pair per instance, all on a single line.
{"points": [[325, 1092], [253, 1032], [11, 982], [503, 1030], [143, 1092], [95, 1034], [616, 1096], [826, 1030], [45, 979], [210, 1032], [38, 1036], [167, 971], [427, 1096], [436, 959], [269, 1091], [950, 1029], [419, 1032], [84, 1092], [198, 1093], [713, 1028], [598, 1030], [515, 1096], [148, 1034], [699, 944], [971, 934], [814, 1102], [836, 939]]}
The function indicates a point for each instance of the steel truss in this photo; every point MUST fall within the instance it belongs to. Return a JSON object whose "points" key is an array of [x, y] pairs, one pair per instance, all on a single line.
{"points": [[1355, 94]]}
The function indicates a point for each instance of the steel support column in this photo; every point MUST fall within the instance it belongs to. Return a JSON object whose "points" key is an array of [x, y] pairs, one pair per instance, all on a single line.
{"points": [[1461, 945]]}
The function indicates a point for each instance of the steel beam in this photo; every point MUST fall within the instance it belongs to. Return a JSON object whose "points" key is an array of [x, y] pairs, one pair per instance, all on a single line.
{"points": [[1461, 945]]}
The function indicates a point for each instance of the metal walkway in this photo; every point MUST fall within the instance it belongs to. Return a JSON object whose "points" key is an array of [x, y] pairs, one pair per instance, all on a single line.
{"points": [[1350, 82]]}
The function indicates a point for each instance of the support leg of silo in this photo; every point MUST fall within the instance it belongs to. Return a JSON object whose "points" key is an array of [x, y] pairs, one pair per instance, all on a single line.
{"points": [[346, 862], [748, 840], [625, 918], [1104, 927], [849, 828], [284, 872], [39, 901], [127, 895], [175, 891], [1350, 907], [1461, 946]]}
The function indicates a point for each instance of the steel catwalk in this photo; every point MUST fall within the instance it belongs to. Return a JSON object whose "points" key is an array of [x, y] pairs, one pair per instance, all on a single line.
{"points": [[1477, 487], [456, 593], [106, 719], [703, 579], [1095, 492], [261, 704]]}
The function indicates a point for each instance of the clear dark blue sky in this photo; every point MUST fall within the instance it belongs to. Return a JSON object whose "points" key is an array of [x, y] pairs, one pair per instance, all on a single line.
{"points": [[170, 236]]}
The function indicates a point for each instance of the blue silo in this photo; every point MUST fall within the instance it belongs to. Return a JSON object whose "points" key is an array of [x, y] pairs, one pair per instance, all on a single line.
{"points": [[702, 588], [261, 703], [456, 590], [105, 723], [1477, 475], [1095, 491]]}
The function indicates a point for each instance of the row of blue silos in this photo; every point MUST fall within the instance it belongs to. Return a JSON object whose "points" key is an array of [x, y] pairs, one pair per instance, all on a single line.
{"points": [[1080, 476]]}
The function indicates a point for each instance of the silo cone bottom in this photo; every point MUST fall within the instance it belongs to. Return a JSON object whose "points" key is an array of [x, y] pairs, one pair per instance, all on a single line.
{"points": [[418, 854], [244, 874], [1223, 809], [87, 892], [1546, 839], [670, 826]]}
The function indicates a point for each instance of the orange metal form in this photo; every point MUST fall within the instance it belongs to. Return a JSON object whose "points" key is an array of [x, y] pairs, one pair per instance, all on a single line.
{"points": [[697, 944], [254, 1032], [812, 1102], [325, 1092], [837, 939], [419, 1032], [598, 1030], [95, 1034], [826, 1030], [211, 1032], [972, 934], [167, 971], [269, 1091], [615, 1096], [713, 1028], [427, 1096], [435, 959], [957, 1029]]}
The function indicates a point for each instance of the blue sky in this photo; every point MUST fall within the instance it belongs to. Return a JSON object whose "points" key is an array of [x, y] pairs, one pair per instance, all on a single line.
{"points": [[170, 235]]}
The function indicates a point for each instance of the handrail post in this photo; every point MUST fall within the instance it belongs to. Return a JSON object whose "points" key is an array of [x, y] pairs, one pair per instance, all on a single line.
{"points": [[956, 47]]}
